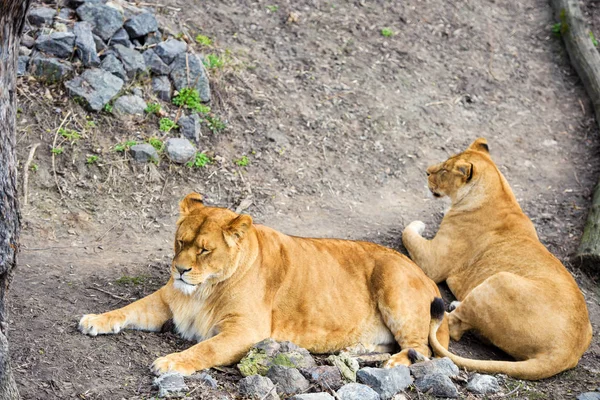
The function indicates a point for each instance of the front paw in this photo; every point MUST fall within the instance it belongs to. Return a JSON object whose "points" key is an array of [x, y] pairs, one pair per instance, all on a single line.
{"points": [[416, 226], [94, 324], [175, 362]]}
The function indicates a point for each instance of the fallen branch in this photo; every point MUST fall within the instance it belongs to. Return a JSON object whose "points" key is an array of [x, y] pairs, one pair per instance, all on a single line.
{"points": [[108, 293], [26, 172]]}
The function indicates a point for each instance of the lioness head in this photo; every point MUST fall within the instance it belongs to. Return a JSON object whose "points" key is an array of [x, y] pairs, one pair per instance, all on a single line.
{"points": [[452, 175], [209, 243]]}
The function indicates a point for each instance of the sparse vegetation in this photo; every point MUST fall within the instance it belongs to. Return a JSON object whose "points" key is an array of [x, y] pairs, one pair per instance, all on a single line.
{"points": [[121, 147], [203, 40], [199, 161], [69, 134], [34, 167], [166, 124], [214, 124], [91, 159], [387, 32], [57, 150], [131, 280], [90, 124], [153, 108], [213, 61], [594, 41], [107, 108], [242, 162], [156, 143], [190, 98], [273, 8]]}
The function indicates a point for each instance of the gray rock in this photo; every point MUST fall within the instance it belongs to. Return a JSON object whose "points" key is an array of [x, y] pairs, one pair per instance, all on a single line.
{"points": [[86, 47], [153, 38], [27, 41], [59, 44], [269, 346], [121, 37], [60, 27], [41, 16], [288, 381], [198, 78], [106, 20], [49, 69], [170, 384], [356, 391], [313, 396], [100, 45], [438, 385], [95, 86], [137, 91], [589, 396], [155, 64], [161, 87], [180, 150], [141, 25], [204, 377], [129, 105], [387, 382], [189, 127], [326, 376], [287, 346], [258, 387], [346, 364], [436, 365], [77, 3], [169, 49], [114, 66], [484, 384], [22, 65], [143, 153], [24, 51], [65, 13], [131, 59]]}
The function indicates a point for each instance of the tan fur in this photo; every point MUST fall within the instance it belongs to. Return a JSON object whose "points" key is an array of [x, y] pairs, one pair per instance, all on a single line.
{"points": [[252, 282], [511, 289]]}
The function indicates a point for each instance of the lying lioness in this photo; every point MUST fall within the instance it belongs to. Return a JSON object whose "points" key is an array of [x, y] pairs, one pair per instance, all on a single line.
{"points": [[234, 283], [511, 289]]}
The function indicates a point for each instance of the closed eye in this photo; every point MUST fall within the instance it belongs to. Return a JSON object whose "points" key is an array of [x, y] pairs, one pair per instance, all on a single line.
{"points": [[180, 243], [203, 251]]}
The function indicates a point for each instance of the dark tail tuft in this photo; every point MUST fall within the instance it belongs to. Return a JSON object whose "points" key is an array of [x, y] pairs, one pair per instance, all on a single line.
{"points": [[413, 356], [437, 309]]}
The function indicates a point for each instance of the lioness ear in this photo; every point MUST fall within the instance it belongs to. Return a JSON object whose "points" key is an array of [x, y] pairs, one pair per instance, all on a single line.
{"points": [[190, 202], [480, 145], [237, 229], [465, 168]]}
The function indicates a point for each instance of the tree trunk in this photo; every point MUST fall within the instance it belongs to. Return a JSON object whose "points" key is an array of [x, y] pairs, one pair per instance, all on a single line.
{"points": [[12, 21]]}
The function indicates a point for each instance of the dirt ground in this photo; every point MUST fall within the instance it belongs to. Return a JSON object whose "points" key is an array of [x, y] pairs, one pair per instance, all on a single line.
{"points": [[339, 124]]}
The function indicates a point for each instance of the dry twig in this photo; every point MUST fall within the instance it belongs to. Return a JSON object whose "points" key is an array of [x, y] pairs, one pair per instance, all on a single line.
{"points": [[26, 172]]}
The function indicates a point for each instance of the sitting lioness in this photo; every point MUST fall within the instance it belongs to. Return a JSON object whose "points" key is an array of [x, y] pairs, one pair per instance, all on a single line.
{"points": [[509, 287], [234, 283]]}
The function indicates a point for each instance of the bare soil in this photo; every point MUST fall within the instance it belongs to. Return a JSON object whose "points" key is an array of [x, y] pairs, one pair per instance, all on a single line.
{"points": [[339, 124]]}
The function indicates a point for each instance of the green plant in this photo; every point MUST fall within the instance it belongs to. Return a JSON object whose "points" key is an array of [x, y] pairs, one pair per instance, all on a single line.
{"points": [[108, 108], [57, 150], [90, 124], [34, 167], [242, 162], [179, 35], [594, 41], [156, 143], [560, 28], [92, 159], [190, 98], [273, 8], [203, 40], [131, 280], [69, 134], [152, 108], [166, 124], [121, 147], [214, 124], [213, 61], [199, 161], [387, 32]]}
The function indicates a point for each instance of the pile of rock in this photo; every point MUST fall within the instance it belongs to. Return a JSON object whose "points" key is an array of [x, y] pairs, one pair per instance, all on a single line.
{"points": [[110, 43]]}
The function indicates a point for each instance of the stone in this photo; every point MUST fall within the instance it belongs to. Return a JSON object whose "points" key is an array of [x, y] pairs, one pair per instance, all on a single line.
{"points": [[161, 87], [387, 382], [169, 49], [356, 391], [180, 150], [269, 346], [24, 51], [198, 78], [589, 396], [189, 126], [155, 64], [258, 362], [121, 37], [114, 66], [203, 377], [170, 384], [141, 25], [131, 59], [313, 396], [346, 364], [326, 376], [85, 44], [137, 91], [258, 387], [59, 44], [65, 13], [49, 69], [483, 384], [41, 16], [27, 41], [152, 38], [77, 3], [105, 19], [143, 153], [436, 365], [100, 45], [97, 87], [60, 27], [437, 384], [129, 105], [22, 65], [287, 380]]}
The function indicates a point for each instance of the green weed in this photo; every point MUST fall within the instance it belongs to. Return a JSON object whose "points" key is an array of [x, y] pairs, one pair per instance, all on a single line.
{"points": [[69, 134], [242, 162], [190, 98], [199, 161], [273, 8], [131, 280], [90, 124], [34, 167], [108, 108], [387, 32], [166, 124], [152, 108], [214, 124], [203, 40], [213, 61], [57, 150], [121, 147], [594, 41], [156, 143], [91, 159]]}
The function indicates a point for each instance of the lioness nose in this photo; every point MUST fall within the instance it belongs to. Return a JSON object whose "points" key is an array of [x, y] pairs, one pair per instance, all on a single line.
{"points": [[182, 270]]}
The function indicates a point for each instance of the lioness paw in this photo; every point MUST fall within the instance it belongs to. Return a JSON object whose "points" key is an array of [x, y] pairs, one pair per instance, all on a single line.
{"points": [[416, 226], [175, 362], [93, 324]]}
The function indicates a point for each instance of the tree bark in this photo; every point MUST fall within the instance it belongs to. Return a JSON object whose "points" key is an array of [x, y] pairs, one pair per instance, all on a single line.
{"points": [[586, 60], [12, 21]]}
